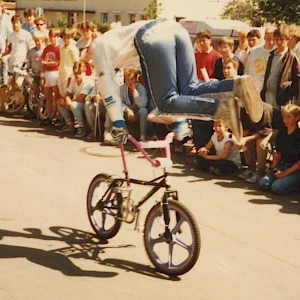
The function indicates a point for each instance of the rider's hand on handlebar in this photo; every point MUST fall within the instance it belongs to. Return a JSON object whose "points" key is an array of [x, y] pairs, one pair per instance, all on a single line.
{"points": [[119, 131]]}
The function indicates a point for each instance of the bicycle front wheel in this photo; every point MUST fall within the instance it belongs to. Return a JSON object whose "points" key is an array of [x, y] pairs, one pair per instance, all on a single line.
{"points": [[13, 101], [104, 212], [177, 253]]}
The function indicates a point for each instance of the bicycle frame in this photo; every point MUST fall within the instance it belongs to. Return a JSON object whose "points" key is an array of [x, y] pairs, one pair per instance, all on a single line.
{"points": [[157, 183]]}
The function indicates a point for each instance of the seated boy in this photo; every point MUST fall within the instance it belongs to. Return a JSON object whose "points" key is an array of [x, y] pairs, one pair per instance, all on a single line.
{"points": [[134, 101], [79, 87]]}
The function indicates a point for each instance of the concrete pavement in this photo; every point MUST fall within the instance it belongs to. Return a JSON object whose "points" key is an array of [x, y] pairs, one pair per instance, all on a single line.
{"points": [[250, 240]]}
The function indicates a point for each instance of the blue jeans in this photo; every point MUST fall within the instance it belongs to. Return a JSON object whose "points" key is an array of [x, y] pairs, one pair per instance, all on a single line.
{"points": [[169, 70], [77, 109], [141, 117], [281, 186]]}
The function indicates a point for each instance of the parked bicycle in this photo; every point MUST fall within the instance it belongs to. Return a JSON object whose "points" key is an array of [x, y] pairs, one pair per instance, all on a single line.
{"points": [[20, 93], [171, 234]]}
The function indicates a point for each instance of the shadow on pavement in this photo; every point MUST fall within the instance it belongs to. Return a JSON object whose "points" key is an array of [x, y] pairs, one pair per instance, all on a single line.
{"points": [[79, 244], [290, 204]]}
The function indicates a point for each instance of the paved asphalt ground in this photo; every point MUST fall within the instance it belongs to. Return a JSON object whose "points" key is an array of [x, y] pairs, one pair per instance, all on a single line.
{"points": [[250, 240]]}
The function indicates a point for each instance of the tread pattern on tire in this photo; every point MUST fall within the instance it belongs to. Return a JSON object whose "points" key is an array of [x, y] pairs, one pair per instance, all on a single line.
{"points": [[179, 207]]}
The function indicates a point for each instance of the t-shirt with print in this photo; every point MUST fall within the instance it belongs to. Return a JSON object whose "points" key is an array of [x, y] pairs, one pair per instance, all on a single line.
{"points": [[51, 53]]}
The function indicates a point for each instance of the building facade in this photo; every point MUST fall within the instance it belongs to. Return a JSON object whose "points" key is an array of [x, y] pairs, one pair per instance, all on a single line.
{"points": [[124, 11], [98, 11]]}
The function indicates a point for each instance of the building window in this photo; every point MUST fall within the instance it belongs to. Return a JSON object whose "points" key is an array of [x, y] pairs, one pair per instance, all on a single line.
{"points": [[104, 18], [131, 18], [117, 18], [73, 18], [144, 17]]}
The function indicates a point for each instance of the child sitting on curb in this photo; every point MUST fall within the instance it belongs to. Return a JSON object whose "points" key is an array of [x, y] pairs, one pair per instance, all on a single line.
{"points": [[227, 158]]}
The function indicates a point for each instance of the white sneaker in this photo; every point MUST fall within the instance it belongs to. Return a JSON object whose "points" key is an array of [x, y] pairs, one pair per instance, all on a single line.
{"points": [[254, 179], [246, 92], [109, 140], [247, 174]]}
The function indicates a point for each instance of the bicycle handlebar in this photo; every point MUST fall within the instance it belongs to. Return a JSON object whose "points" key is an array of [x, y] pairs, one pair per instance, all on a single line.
{"points": [[150, 144]]}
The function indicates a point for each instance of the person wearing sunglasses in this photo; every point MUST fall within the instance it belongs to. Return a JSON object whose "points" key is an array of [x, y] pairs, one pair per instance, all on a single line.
{"points": [[40, 23]]}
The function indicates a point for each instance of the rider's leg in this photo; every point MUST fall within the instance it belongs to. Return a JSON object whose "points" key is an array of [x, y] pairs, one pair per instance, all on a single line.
{"points": [[168, 65]]}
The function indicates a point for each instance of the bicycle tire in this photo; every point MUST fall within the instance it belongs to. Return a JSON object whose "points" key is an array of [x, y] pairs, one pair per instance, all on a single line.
{"points": [[13, 101], [3, 89], [180, 254], [41, 109], [32, 105], [105, 220]]}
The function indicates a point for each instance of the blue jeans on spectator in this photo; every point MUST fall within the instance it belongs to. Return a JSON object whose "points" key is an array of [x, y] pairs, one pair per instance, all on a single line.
{"points": [[281, 186], [224, 165], [77, 110], [141, 117], [169, 70]]}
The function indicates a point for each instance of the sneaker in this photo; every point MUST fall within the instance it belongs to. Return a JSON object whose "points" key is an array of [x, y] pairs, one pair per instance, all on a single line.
{"points": [[246, 175], [90, 136], [218, 172], [244, 89], [229, 112], [67, 128], [109, 140], [45, 122], [181, 129], [254, 179], [80, 132]]}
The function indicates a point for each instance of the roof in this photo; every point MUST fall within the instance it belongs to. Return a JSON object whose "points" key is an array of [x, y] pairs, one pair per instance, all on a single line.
{"points": [[217, 27]]}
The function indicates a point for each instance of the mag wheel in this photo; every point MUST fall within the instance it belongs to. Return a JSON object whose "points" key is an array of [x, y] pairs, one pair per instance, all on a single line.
{"points": [[41, 109], [176, 253], [32, 103], [104, 212], [13, 101]]}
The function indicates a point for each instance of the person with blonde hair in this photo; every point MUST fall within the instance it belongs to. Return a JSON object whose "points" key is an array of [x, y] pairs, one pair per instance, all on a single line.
{"points": [[134, 101], [226, 45], [281, 81], [294, 41], [283, 176], [73, 103], [243, 47]]}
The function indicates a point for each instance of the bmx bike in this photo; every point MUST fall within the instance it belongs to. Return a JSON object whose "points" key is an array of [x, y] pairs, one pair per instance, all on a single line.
{"points": [[171, 234]]}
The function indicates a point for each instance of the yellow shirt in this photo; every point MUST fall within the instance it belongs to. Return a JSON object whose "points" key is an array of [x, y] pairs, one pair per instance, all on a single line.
{"points": [[68, 55]]}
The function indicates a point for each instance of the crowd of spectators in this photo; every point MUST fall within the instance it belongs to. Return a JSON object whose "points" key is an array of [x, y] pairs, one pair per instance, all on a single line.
{"points": [[63, 66]]}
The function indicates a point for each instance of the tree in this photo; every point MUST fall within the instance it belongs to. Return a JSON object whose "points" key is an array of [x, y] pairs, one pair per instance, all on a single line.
{"points": [[153, 9], [259, 12], [242, 10], [280, 11]]}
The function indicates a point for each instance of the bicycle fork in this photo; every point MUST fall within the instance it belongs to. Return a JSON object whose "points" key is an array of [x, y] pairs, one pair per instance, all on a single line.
{"points": [[168, 195]]}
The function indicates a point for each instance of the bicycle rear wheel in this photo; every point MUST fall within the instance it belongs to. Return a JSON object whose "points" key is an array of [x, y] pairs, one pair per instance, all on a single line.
{"points": [[104, 214], [13, 101], [178, 253]]}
